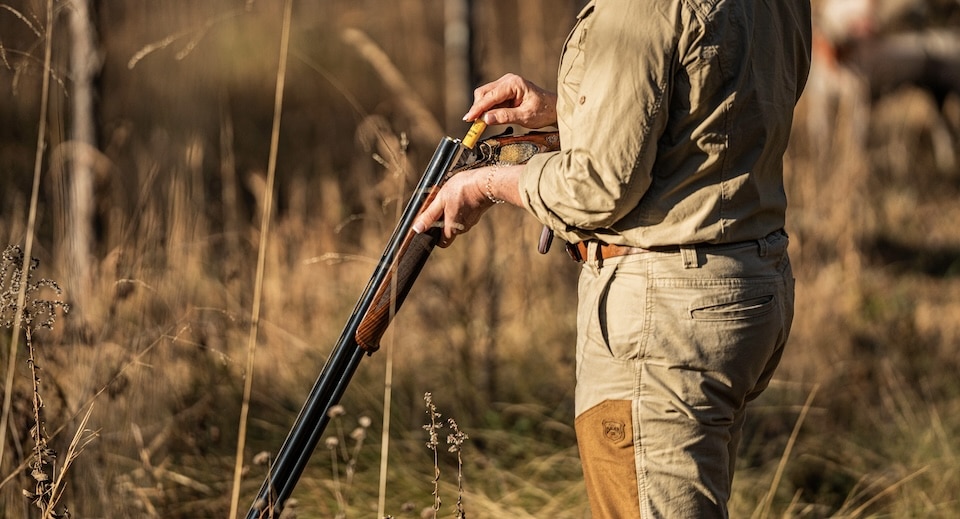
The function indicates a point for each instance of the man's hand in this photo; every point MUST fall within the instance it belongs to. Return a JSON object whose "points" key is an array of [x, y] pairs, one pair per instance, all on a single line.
{"points": [[467, 195], [513, 100], [457, 207], [464, 198]]}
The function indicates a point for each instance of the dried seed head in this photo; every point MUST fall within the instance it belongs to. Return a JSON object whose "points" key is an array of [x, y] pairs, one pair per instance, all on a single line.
{"points": [[456, 439], [40, 476], [358, 434], [262, 458], [36, 312]]}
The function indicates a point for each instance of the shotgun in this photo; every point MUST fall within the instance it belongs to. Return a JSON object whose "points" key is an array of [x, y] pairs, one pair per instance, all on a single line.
{"points": [[398, 268]]}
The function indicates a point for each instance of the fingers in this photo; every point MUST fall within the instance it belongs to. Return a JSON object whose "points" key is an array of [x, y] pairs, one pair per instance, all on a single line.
{"points": [[450, 232], [428, 217], [452, 225], [505, 91], [434, 216], [513, 99], [456, 208]]}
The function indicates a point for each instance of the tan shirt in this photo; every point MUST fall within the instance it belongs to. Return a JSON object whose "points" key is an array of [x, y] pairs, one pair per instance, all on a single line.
{"points": [[674, 116]]}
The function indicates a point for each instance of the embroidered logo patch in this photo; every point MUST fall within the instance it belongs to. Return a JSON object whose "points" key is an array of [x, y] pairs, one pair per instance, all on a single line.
{"points": [[614, 431]]}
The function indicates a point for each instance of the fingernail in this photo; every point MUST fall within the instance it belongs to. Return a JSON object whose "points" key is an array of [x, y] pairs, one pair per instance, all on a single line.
{"points": [[418, 228]]}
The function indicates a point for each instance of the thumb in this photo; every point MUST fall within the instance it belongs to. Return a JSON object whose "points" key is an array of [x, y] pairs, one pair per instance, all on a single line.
{"points": [[499, 116]]}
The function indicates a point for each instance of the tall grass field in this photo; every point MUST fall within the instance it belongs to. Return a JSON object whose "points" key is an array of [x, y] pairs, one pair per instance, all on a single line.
{"points": [[247, 166]]}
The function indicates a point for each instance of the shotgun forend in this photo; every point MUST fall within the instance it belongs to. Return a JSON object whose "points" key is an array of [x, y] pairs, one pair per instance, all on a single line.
{"points": [[412, 252]]}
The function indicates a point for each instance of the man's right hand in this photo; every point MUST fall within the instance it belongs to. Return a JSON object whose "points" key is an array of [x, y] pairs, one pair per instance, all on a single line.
{"points": [[513, 100]]}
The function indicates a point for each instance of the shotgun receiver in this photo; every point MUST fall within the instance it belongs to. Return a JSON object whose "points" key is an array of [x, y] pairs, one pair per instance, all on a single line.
{"points": [[398, 268]]}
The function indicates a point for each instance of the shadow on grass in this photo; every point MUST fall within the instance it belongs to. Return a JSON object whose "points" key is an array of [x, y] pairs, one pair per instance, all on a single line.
{"points": [[906, 258]]}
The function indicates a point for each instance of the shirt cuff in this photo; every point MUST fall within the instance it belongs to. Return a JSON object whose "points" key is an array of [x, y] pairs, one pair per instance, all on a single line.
{"points": [[530, 183]]}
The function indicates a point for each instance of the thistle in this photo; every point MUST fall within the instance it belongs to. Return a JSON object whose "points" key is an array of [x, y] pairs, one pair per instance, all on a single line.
{"points": [[35, 313], [433, 444], [455, 441]]}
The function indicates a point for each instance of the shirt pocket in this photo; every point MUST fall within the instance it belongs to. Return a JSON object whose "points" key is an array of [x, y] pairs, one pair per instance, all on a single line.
{"points": [[571, 68]]}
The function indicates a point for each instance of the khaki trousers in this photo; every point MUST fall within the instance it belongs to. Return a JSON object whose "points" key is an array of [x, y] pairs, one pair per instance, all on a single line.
{"points": [[671, 347]]}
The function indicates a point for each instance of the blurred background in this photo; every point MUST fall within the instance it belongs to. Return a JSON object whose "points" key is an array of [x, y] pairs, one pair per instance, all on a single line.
{"points": [[153, 176]]}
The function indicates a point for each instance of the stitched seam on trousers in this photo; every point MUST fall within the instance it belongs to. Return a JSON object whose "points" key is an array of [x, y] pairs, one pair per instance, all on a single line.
{"points": [[647, 331], [640, 446]]}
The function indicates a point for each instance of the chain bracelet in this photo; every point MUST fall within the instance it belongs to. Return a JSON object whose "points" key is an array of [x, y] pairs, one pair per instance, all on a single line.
{"points": [[489, 187]]}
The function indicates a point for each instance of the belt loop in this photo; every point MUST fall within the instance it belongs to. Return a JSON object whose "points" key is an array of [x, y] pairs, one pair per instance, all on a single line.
{"points": [[762, 243], [688, 253], [593, 253]]}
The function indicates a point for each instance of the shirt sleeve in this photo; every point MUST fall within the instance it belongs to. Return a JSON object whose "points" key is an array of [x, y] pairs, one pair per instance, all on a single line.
{"points": [[606, 163]]}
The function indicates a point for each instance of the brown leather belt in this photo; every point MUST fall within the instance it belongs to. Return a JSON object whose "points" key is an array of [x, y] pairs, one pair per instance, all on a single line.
{"points": [[578, 251]]}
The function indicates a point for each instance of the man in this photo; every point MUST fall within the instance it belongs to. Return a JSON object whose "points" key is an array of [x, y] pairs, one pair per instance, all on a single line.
{"points": [[674, 116]]}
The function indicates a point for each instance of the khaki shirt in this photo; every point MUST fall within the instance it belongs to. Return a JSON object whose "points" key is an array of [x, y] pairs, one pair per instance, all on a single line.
{"points": [[674, 116]]}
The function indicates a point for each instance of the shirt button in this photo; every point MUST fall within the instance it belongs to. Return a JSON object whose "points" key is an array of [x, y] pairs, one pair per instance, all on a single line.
{"points": [[583, 99]]}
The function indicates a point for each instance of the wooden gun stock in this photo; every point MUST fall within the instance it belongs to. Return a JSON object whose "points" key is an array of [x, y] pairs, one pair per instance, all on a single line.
{"points": [[413, 256]]}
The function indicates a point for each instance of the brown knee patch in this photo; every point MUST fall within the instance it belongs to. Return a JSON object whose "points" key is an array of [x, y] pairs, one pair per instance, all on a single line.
{"points": [[605, 439]]}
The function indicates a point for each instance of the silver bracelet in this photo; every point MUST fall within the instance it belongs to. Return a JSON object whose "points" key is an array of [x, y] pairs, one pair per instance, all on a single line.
{"points": [[489, 185]]}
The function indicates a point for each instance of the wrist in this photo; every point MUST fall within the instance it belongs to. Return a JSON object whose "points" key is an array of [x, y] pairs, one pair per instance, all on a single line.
{"points": [[488, 186]]}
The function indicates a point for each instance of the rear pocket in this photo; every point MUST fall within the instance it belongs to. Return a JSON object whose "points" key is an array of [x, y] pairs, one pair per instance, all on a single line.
{"points": [[731, 308]]}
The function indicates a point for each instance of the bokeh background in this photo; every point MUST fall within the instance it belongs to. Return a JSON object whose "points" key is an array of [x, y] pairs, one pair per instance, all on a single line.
{"points": [[155, 170]]}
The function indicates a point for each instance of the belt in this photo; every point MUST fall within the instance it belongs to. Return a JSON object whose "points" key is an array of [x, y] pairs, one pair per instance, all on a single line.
{"points": [[578, 251]]}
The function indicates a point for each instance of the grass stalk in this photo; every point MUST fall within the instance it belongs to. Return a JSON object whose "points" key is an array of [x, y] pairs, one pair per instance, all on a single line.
{"points": [[80, 440], [424, 126], [88, 404], [764, 508], [385, 432], [391, 346], [455, 441], [434, 445], [885, 492], [261, 258], [31, 224], [332, 444]]}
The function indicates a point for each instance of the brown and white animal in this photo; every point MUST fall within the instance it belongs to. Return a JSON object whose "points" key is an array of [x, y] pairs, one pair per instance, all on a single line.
{"points": [[867, 49]]}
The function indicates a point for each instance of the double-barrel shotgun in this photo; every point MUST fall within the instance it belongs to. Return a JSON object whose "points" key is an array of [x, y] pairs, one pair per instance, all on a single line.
{"points": [[398, 268]]}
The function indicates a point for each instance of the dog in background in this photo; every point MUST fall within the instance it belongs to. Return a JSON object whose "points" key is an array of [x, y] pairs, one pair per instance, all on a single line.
{"points": [[864, 50]]}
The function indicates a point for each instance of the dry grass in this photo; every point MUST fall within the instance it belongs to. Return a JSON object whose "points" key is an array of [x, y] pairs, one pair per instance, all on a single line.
{"points": [[158, 363]]}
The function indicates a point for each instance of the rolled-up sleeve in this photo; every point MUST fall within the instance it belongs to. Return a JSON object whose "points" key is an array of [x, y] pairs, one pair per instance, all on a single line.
{"points": [[615, 118]]}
